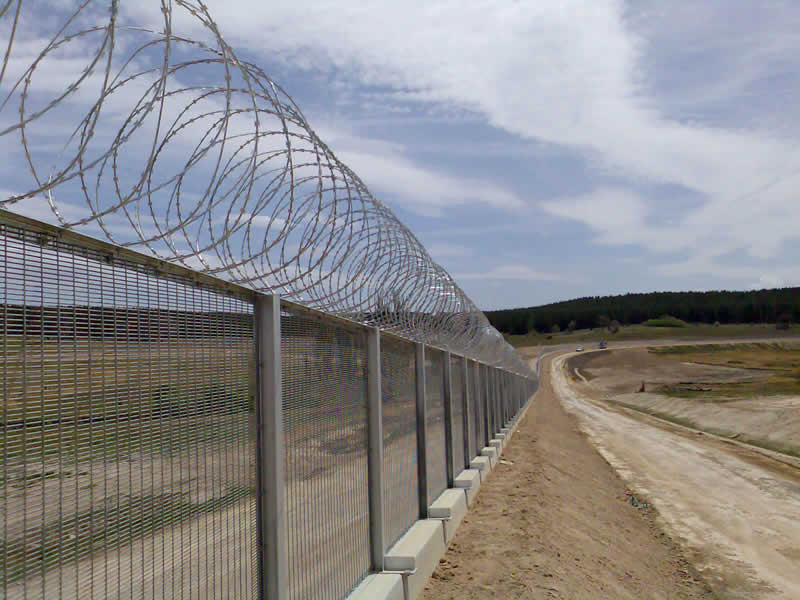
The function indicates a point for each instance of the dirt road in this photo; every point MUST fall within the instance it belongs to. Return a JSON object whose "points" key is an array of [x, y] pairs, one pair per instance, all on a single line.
{"points": [[555, 521], [737, 511]]}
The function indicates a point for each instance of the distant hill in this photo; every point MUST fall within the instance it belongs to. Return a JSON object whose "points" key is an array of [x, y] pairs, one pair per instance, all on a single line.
{"points": [[757, 306]]}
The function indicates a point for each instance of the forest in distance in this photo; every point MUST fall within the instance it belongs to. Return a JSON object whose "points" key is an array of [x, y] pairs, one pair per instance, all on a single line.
{"points": [[780, 306]]}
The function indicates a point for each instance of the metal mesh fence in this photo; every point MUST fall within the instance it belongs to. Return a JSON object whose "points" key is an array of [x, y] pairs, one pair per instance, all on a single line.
{"points": [[399, 438], [128, 430], [435, 442], [457, 396], [477, 426], [324, 372], [126, 443]]}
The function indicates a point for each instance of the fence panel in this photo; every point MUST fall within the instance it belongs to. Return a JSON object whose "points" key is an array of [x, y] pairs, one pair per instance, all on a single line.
{"points": [[127, 465], [324, 372], [437, 457], [480, 397], [457, 385], [401, 506]]}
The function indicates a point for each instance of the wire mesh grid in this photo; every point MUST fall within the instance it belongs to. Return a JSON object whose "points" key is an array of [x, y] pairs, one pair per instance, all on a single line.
{"points": [[476, 407], [436, 460], [324, 371], [127, 463], [401, 500], [457, 397]]}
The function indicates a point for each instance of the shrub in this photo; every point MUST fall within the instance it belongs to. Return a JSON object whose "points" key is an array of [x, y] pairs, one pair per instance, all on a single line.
{"points": [[665, 321], [614, 326]]}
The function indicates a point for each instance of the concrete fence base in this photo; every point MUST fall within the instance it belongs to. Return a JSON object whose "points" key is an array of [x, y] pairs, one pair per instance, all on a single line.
{"points": [[412, 559]]}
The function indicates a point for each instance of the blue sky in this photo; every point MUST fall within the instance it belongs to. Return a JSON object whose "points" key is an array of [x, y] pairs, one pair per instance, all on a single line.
{"points": [[549, 150]]}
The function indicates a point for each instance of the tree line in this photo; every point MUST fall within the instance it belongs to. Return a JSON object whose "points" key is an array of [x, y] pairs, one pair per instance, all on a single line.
{"points": [[757, 306]]}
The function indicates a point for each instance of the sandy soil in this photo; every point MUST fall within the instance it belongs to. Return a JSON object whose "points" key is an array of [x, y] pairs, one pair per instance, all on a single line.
{"points": [[770, 421], [555, 521], [736, 511]]}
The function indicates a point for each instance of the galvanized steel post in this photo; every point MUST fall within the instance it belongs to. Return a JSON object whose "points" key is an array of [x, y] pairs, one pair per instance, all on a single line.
{"points": [[375, 448], [468, 418], [270, 481], [486, 403], [422, 430]]}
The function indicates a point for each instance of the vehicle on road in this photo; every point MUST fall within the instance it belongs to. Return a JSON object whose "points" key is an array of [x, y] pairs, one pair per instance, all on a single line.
{"points": [[579, 349]]}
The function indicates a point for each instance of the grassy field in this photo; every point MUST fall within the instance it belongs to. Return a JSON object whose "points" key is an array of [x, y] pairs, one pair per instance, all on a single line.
{"points": [[642, 332], [776, 364]]}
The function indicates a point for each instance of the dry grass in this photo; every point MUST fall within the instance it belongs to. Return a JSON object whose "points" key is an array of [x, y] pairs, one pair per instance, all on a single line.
{"points": [[777, 366], [693, 331]]}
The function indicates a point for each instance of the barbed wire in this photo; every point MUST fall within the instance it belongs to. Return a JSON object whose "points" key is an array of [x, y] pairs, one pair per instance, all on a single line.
{"points": [[173, 145]]}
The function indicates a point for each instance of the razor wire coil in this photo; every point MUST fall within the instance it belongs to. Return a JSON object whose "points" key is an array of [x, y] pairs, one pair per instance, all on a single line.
{"points": [[177, 147]]}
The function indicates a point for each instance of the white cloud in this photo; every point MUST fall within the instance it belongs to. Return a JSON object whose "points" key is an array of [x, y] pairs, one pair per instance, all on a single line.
{"points": [[571, 73], [511, 273]]}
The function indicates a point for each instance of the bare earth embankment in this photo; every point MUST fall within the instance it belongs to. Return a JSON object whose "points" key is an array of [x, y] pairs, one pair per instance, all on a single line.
{"points": [[555, 521], [747, 392], [734, 508]]}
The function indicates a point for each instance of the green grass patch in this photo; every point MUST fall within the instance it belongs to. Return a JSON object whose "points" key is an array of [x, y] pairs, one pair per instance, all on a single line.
{"points": [[665, 321], [775, 367], [692, 331]]}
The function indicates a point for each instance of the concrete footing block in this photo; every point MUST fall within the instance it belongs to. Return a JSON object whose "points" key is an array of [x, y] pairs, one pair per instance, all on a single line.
{"points": [[469, 480], [498, 445], [379, 586], [482, 464], [451, 507], [416, 554], [490, 452]]}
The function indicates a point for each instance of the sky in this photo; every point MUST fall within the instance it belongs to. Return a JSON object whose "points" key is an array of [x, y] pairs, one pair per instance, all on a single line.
{"points": [[545, 150]]}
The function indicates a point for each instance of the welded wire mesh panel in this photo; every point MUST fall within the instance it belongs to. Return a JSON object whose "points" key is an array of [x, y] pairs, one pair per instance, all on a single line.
{"points": [[457, 395], [324, 370], [477, 413], [484, 408], [434, 418], [401, 500], [471, 420], [126, 435]]}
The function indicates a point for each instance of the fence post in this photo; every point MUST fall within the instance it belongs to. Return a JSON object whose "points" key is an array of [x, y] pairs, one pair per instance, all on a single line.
{"points": [[375, 446], [422, 431], [448, 419], [492, 401], [468, 418], [270, 482], [486, 403]]}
